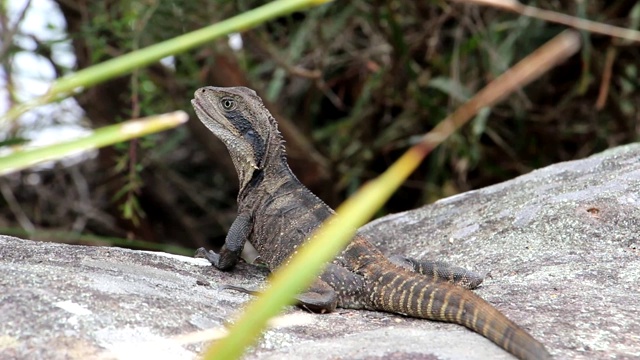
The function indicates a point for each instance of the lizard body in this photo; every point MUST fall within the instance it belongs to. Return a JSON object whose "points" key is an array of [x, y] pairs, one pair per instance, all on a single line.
{"points": [[276, 214]]}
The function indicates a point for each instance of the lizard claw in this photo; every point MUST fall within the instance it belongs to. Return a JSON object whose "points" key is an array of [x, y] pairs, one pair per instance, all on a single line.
{"points": [[209, 255], [239, 289], [200, 253]]}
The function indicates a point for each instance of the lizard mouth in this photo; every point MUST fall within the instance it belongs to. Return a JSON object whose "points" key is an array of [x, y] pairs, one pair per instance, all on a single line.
{"points": [[199, 108], [202, 110], [215, 126]]}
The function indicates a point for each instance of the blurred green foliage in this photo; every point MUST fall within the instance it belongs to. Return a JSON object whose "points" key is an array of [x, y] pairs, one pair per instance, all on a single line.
{"points": [[358, 81]]}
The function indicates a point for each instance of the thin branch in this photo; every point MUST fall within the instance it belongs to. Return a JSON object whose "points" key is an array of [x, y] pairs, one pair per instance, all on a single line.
{"points": [[7, 30], [559, 18], [15, 207], [606, 78]]}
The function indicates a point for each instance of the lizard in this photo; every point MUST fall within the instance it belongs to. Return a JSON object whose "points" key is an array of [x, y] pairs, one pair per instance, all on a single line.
{"points": [[277, 213]]}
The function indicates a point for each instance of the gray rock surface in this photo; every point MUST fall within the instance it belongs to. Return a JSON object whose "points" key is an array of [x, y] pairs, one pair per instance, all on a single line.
{"points": [[562, 245]]}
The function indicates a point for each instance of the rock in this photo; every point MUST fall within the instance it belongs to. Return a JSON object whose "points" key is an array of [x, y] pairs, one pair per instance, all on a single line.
{"points": [[561, 244]]}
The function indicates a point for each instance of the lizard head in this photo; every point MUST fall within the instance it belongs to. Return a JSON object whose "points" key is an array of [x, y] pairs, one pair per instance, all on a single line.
{"points": [[238, 118]]}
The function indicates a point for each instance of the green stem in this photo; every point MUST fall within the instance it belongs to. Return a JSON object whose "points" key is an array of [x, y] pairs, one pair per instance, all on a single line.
{"points": [[124, 64]]}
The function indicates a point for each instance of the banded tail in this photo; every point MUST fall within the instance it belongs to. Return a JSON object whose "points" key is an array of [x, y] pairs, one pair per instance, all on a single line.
{"points": [[405, 292]]}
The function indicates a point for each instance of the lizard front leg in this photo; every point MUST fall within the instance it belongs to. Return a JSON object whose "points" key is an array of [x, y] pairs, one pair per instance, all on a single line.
{"points": [[233, 244], [440, 271]]}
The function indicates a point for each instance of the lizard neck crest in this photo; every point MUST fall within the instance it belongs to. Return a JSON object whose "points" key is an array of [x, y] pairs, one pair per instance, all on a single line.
{"points": [[240, 120]]}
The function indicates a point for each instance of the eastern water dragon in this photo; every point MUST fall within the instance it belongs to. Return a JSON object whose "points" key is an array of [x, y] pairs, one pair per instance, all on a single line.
{"points": [[276, 213]]}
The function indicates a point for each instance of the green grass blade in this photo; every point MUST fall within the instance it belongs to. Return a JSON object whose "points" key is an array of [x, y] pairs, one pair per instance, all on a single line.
{"points": [[334, 234], [107, 135], [324, 246], [124, 64]]}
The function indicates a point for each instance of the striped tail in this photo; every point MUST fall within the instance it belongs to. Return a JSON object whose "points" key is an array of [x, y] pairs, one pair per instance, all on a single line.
{"points": [[405, 292]]}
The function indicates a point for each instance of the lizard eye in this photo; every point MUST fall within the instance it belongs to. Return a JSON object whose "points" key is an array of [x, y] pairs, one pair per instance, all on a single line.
{"points": [[228, 104]]}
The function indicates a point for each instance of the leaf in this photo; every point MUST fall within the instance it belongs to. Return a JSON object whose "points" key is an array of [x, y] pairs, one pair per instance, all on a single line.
{"points": [[450, 87], [107, 135]]}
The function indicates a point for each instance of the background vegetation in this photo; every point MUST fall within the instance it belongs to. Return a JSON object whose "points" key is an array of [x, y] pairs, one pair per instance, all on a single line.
{"points": [[353, 84]]}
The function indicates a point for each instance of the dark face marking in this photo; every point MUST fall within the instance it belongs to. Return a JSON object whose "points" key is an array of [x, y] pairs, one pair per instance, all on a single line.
{"points": [[237, 119]]}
